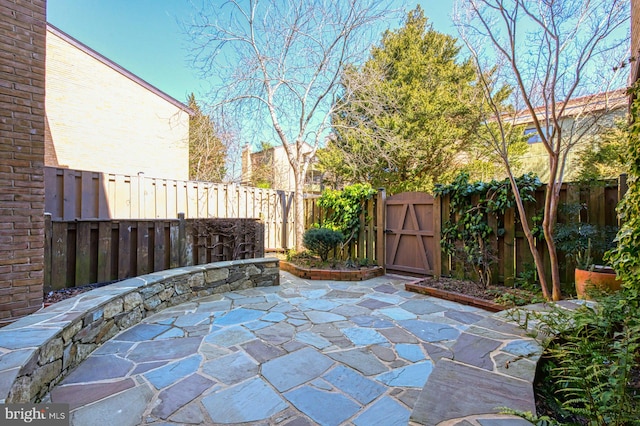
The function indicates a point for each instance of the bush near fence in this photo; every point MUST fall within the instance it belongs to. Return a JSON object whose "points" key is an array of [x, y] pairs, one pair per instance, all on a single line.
{"points": [[369, 243]]}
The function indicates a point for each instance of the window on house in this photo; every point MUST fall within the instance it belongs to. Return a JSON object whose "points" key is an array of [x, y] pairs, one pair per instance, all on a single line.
{"points": [[534, 137]]}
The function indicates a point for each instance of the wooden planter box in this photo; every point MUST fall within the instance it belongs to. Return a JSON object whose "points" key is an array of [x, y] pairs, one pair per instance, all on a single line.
{"points": [[418, 287], [332, 274]]}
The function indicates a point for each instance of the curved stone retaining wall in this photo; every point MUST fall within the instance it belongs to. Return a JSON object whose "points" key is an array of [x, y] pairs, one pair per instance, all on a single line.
{"points": [[37, 351]]}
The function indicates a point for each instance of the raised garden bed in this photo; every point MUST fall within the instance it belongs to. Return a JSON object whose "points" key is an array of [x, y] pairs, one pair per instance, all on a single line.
{"points": [[420, 286], [338, 274]]}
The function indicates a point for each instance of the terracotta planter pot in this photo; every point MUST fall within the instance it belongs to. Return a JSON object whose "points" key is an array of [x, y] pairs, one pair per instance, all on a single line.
{"points": [[601, 278]]}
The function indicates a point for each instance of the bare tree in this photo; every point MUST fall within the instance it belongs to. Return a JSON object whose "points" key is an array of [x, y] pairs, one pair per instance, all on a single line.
{"points": [[277, 65], [551, 52]]}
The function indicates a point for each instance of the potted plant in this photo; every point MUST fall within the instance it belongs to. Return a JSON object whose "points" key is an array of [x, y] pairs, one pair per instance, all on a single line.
{"points": [[591, 277], [586, 244]]}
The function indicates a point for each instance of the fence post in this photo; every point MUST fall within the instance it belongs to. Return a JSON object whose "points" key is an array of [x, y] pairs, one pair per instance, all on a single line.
{"points": [[437, 247], [183, 248], [47, 252], [259, 248], [285, 220], [381, 226]]}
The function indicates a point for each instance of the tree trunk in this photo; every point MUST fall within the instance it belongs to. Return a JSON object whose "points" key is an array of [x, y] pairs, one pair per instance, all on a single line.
{"points": [[548, 224], [298, 202], [537, 259]]}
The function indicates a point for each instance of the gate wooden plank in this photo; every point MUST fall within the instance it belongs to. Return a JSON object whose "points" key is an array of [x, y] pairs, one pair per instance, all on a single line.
{"points": [[381, 226], [422, 251], [437, 248]]}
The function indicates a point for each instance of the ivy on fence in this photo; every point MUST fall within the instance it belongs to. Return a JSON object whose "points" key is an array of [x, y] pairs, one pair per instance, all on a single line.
{"points": [[466, 232]]}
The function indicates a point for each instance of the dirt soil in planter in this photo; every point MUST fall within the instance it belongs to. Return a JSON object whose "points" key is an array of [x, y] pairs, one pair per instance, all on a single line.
{"points": [[506, 296], [66, 293]]}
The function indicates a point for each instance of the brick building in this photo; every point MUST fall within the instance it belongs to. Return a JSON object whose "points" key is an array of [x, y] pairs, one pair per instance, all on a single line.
{"points": [[22, 103], [270, 168], [101, 117]]}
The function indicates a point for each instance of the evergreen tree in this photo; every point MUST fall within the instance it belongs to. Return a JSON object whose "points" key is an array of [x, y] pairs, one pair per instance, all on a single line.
{"points": [[207, 153], [408, 114]]}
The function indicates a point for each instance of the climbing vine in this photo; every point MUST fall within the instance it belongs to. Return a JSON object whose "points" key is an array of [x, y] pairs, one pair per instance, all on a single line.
{"points": [[345, 209], [466, 232], [624, 258]]}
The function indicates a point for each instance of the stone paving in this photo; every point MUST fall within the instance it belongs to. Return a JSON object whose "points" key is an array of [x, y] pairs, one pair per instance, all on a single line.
{"points": [[303, 353]]}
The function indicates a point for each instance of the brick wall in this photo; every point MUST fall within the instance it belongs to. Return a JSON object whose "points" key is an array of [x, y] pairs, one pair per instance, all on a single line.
{"points": [[102, 118], [22, 90]]}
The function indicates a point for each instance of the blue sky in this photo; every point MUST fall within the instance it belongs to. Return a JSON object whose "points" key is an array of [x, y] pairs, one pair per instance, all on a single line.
{"points": [[145, 37]]}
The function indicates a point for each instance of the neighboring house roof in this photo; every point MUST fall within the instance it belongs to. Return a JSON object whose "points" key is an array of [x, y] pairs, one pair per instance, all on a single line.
{"points": [[598, 102], [118, 68]]}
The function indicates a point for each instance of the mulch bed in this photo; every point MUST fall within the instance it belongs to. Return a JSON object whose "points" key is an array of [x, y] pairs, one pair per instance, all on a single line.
{"points": [[66, 293], [465, 287]]}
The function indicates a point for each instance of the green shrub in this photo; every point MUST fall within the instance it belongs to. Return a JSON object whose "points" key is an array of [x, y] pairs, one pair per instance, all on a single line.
{"points": [[321, 241]]}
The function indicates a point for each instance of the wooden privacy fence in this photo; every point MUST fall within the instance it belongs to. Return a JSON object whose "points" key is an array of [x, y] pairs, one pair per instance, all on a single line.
{"points": [[76, 194], [369, 243], [81, 252], [599, 201]]}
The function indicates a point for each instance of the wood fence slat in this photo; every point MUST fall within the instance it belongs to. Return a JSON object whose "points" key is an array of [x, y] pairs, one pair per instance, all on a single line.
{"points": [[509, 246], [596, 209], [142, 251], [172, 200], [104, 252], [124, 249], [59, 248], [160, 245], [136, 193], [89, 197], [370, 229], [122, 193], [52, 194], [103, 199], [83, 252], [48, 231], [69, 195], [174, 245]]}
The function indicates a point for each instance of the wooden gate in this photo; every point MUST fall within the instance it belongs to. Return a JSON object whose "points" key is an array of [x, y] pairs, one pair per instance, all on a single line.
{"points": [[412, 234]]}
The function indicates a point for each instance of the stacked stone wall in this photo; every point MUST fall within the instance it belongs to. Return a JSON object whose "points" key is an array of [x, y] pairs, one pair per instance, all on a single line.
{"points": [[38, 351]]}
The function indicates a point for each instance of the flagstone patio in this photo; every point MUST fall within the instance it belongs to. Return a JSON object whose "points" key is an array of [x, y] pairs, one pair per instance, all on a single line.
{"points": [[308, 352]]}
